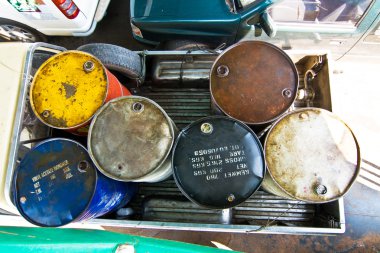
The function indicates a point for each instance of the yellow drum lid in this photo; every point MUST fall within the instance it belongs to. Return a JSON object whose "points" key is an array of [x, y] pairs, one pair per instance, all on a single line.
{"points": [[68, 89], [311, 155]]}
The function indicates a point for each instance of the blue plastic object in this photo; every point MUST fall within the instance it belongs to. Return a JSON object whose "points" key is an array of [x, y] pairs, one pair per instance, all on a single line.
{"points": [[56, 183]]}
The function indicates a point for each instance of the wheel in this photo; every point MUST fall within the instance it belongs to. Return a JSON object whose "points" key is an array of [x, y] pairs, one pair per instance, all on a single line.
{"points": [[116, 58], [14, 31], [183, 45]]}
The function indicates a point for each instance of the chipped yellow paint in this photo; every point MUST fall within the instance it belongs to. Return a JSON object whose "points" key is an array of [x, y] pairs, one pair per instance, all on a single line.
{"points": [[63, 94]]}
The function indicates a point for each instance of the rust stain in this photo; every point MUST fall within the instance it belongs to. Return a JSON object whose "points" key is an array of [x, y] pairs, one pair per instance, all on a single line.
{"points": [[267, 243], [139, 146], [261, 83], [69, 89], [56, 121], [368, 243], [309, 148]]}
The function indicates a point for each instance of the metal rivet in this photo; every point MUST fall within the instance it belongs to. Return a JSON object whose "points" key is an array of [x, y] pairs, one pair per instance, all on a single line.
{"points": [[207, 128], [189, 59], [88, 66], [222, 71], [22, 200], [83, 166], [46, 114], [137, 107], [287, 93], [321, 189], [231, 198], [303, 115]]}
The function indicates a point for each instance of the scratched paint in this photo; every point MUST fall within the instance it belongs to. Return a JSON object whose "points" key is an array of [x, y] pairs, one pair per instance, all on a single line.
{"points": [[56, 183], [63, 94]]}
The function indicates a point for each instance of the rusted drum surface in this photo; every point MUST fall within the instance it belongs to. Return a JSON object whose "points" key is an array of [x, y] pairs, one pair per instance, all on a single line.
{"points": [[218, 162], [69, 88], [254, 82], [56, 183], [311, 155], [130, 139]]}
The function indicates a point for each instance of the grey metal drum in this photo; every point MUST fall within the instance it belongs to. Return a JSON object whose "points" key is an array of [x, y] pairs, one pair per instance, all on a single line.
{"points": [[311, 155], [130, 139]]}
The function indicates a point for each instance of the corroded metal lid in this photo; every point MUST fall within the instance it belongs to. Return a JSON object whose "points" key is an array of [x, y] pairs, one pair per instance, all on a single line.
{"points": [[54, 182], [130, 138], [254, 82], [68, 89], [218, 162], [311, 155]]}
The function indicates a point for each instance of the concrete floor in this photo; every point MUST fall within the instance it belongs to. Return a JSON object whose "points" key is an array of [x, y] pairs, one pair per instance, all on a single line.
{"points": [[355, 100]]}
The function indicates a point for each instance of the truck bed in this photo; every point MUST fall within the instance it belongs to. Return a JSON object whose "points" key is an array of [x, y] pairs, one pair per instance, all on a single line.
{"points": [[178, 81]]}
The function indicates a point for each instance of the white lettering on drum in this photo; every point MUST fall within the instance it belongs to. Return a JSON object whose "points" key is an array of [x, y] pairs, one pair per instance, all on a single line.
{"points": [[220, 163], [52, 176]]}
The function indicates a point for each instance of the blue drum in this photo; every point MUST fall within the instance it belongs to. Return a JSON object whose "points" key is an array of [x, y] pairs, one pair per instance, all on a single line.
{"points": [[56, 183]]}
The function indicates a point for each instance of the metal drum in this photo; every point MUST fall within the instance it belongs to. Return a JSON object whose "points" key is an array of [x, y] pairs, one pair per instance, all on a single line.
{"points": [[130, 139], [57, 183], [311, 155], [69, 88], [218, 162], [254, 82]]}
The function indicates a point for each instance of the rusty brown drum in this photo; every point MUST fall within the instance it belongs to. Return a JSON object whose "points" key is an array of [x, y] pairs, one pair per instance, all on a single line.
{"points": [[254, 82], [311, 155], [130, 139]]}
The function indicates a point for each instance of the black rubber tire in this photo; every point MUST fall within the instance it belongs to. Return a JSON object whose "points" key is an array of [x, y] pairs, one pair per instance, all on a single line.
{"points": [[183, 45], [38, 59], [38, 37], [116, 58]]}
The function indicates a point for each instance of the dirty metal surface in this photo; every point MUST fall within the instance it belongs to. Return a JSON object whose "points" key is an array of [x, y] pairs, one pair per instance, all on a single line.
{"points": [[263, 207], [311, 155], [50, 190], [254, 82], [171, 69], [163, 201], [63, 94], [57, 183], [182, 210], [218, 162], [130, 137]]}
